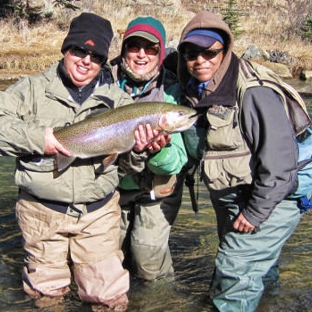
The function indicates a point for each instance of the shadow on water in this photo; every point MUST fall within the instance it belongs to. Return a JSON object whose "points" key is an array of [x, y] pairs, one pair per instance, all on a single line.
{"points": [[193, 244]]}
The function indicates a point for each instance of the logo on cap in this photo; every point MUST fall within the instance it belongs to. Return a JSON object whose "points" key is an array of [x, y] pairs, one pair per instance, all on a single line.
{"points": [[90, 43]]}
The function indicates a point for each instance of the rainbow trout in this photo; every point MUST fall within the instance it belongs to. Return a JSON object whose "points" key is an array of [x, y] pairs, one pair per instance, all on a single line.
{"points": [[112, 132]]}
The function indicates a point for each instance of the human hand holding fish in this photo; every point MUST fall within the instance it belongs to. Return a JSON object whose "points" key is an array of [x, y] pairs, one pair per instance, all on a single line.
{"points": [[52, 146], [149, 138]]}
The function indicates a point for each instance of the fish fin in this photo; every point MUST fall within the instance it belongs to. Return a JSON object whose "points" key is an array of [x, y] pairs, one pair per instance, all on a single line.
{"points": [[109, 160], [56, 173], [62, 161]]}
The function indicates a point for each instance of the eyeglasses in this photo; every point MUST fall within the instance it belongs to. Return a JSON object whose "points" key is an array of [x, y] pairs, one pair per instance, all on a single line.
{"points": [[82, 53], [135, 47], [191, 55]]}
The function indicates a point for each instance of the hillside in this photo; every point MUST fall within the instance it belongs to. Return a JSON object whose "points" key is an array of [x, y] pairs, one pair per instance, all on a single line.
{"points": [[268, 24]]}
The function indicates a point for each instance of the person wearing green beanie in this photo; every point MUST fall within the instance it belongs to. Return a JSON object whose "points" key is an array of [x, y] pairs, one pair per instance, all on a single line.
{"points": [[150, 29], [150, 199]]}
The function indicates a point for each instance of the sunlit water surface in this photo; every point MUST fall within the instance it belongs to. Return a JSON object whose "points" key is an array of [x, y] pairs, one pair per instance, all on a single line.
{"points": [[193, 244]]}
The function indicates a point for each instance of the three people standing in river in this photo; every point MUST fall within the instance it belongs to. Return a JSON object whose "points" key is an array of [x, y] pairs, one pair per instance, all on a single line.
{"points": [[248, 192]]}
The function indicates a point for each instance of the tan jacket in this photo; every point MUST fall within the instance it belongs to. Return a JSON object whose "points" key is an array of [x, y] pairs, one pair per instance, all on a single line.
{"points": [[41, 101]]}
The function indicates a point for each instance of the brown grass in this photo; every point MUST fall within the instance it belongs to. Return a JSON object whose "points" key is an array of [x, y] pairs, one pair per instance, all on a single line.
{"points": [[30, 49]]}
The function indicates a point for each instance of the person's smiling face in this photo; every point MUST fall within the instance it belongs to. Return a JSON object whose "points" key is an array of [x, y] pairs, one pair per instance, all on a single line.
{"points": [[141, 55], [202, 65], [82, 70]]}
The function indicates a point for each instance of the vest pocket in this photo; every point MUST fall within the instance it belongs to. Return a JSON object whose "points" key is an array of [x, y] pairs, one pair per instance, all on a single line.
{"points": [[224, 132], [223, 172]]}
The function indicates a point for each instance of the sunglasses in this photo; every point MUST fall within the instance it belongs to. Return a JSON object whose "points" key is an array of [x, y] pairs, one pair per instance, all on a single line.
{"points": [[82, 53], [135, 47], [191, 55]]}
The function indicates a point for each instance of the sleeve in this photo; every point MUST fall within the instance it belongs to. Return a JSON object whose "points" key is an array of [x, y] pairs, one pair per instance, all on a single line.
{"points": [[170, 159], [20, 133], [274, 149], [121, 98], [131, 163]]}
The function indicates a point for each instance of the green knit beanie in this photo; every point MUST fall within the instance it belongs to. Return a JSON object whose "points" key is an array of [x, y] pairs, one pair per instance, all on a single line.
{"points": [[149, 28]]}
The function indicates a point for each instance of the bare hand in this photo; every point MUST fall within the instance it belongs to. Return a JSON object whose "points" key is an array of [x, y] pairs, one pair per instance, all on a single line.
{"points": [[51, 145], [148, 138], [242, 225]]}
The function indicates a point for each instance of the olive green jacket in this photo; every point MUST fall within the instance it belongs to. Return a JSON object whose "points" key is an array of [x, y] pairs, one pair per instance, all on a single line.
{"points": [[30, 106]]}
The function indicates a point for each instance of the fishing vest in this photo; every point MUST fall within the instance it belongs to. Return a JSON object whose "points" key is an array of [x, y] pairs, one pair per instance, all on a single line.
{"points": [[228, 158]]}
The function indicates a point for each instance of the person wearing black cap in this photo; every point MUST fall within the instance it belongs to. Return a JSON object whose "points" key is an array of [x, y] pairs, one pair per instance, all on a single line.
{"points": [[70, 223], [248, 158], [148, 214]]}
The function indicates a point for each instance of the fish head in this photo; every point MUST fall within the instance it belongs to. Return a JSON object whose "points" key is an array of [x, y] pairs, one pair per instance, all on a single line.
{"points": [[177, 119]]}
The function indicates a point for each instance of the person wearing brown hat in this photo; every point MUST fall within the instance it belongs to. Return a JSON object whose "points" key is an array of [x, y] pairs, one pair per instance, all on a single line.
{"points": [[248, 158], [70, 223], [148, 214]]}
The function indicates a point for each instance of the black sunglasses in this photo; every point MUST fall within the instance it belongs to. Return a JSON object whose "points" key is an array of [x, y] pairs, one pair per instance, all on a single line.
{"points": [[191, 55], [82, 53], [135, 47]]}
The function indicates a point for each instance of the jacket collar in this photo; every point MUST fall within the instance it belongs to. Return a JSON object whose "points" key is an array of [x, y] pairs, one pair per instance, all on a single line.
{"points": [[225, 93]]}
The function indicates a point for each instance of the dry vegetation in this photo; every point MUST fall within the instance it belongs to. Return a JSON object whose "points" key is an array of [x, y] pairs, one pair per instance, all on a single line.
{"points": [[267, 24]]}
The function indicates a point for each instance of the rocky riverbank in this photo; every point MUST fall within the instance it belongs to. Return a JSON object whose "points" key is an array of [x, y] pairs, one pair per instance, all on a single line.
{"points": [[281, 63]]}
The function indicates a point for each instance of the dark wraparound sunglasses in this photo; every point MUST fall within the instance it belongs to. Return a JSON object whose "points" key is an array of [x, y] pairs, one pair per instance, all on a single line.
{"points": [[135, 47], [82, 53], [191, 55]]}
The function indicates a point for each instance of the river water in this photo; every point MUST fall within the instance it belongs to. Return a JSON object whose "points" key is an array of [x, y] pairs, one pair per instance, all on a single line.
{"points": [[193, 244]]}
